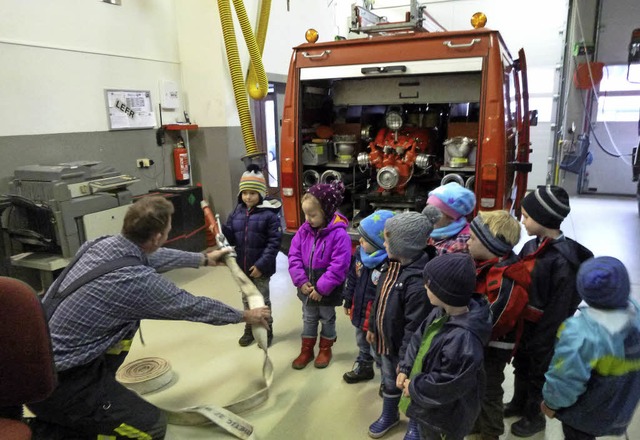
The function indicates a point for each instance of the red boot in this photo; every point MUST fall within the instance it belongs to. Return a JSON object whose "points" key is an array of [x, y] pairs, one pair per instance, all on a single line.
{"points": [[306, 354], [324, 355]]}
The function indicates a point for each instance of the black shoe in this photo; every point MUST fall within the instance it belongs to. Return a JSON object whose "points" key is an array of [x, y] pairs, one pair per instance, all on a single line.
{"points": [[359, 373], [512, 409], [526, 427], [246, 338]]}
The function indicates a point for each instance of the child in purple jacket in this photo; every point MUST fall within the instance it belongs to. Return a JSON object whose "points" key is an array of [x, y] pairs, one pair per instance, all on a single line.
{"points": [[319, 260]]}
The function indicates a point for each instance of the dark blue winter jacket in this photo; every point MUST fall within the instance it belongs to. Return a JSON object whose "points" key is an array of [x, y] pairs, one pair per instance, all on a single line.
{"points": [[256, 235], [404, 309], [446, 396], [360, 290], [553, 292]]}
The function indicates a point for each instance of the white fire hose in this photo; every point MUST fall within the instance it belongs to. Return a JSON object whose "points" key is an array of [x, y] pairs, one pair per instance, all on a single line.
{"points": [[150, 374]]}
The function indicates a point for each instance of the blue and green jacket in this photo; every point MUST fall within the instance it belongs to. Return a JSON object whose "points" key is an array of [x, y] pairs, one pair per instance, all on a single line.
{"points": [[593, 382]]}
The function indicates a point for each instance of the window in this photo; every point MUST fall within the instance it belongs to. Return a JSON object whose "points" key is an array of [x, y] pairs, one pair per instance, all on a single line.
{"points": [[618, 99]]}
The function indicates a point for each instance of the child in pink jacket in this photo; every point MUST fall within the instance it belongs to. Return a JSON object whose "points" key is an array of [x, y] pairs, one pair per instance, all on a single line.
{"points": [[319, 260]]}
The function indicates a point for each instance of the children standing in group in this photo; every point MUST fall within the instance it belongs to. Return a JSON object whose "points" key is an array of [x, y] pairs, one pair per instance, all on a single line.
{"points": [[441, 372], [555, 260], [400, 306], [504, 280], [451, 232], [319, 260], [254, 229], [369, 259], [593, 383]]}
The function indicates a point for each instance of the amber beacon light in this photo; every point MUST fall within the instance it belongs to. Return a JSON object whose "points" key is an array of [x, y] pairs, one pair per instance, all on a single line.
{"points": [[311, 36], [478, 20]]}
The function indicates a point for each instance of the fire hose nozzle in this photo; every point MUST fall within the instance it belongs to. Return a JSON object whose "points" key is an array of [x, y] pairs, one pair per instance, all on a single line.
{"points": [[222, 241]]}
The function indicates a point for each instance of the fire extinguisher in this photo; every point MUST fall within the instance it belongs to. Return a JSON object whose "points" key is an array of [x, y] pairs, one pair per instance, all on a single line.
{"points": [[181, 163]]}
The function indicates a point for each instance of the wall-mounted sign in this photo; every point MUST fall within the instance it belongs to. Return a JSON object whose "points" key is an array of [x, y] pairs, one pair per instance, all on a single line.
{"points": [[129, 109]]}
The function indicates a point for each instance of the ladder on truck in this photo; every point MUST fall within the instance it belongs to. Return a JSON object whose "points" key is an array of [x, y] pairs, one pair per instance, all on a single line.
{"points": [[417, 19]]}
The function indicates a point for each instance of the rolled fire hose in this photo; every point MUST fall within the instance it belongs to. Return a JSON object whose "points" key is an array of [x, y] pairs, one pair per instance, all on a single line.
{"points": [[150, 374]]}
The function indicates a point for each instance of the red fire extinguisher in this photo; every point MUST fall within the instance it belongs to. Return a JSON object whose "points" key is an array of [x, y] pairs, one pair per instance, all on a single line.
{"points": [[181, 164]]}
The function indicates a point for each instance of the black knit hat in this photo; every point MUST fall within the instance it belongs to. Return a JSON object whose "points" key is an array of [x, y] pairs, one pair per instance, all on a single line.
{"points": [[451, 277], [547, 205]]}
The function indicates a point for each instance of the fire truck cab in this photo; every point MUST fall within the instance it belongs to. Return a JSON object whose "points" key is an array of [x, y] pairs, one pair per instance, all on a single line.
{"points": [[397, 114]]}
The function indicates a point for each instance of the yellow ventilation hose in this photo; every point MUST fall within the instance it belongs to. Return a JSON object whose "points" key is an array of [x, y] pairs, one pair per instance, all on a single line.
{"points": [[260, 89]]}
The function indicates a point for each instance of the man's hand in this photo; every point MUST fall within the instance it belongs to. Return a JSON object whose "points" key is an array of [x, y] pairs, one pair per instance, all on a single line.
{"points": [[400, 380], [254, 272], [257, 316], [216, 257], [347, 311]]}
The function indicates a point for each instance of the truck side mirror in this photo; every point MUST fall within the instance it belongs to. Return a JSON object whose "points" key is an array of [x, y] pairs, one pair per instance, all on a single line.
{"points": [[533, 118]]}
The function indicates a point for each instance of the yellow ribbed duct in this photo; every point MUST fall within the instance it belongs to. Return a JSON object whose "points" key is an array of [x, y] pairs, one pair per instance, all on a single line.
{"points": [[235, 68], [258, 88]]}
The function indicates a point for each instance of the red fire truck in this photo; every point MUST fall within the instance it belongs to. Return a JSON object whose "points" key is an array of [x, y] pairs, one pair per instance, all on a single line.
{"points": [[403, 111]]}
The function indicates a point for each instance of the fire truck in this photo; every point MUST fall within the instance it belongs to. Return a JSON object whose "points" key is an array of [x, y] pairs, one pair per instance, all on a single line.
{"points": [[406, 109]]}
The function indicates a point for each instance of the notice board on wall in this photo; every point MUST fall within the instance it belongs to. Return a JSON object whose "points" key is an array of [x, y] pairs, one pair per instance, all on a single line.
{"points": [[129, 109]]}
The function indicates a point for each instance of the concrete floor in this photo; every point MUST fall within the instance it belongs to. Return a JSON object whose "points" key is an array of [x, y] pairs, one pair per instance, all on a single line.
{"points": [[211, 368]]}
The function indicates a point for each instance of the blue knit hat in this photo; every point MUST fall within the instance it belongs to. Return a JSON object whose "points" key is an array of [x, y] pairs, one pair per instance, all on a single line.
{"points": [[371, 228], [603, 283], [453, 199]]}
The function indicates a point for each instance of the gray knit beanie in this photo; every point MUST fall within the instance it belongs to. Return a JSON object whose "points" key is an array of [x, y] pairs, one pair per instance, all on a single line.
{"points": [[407, 234]]}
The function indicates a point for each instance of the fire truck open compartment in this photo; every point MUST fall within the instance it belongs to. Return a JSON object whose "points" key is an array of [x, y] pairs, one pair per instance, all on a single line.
{"points": [[433, 107], [394, 117]]}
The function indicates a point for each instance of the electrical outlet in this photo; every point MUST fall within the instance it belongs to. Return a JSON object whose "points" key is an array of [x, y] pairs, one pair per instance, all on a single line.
{"points": [[144, 163]]}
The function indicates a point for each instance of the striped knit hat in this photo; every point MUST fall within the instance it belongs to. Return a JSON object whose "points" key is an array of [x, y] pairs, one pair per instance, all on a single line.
{"points": [[253, 180], [547, 205]]}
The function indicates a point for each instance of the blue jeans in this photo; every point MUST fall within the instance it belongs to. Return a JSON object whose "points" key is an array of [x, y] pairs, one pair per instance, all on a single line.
{"points": [[364, 355], [311, 315], [388, 370]]}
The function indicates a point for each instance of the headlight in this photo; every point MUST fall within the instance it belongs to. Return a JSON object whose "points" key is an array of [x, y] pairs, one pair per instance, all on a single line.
{"points": [[393, 119]]}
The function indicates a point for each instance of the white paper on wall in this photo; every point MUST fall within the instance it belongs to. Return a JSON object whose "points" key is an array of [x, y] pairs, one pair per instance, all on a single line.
{"points": [[169, 93]]}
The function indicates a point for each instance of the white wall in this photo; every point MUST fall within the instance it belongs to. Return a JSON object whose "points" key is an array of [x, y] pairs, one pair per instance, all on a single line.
{"points": [[58, 57]]}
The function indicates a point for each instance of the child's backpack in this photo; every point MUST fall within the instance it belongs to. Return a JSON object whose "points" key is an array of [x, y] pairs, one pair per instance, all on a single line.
{"points": [[506, 288]]}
